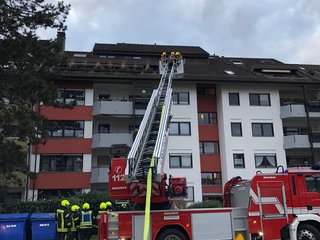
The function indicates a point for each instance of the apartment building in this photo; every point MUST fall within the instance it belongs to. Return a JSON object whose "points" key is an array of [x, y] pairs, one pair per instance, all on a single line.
{"points": [[230, 117]]}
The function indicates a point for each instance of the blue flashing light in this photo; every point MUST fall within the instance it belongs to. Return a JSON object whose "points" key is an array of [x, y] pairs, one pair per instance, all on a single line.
{"points": [[315, 167]]}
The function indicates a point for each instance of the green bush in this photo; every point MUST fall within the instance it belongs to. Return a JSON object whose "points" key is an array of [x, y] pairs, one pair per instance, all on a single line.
{"points": [[206, 204], [49, 206]]}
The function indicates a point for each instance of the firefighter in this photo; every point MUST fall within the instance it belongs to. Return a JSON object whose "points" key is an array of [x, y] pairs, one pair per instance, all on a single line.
{"points": [[86, 222], [109, 206], [172, 56], [163, 57], [178, 55], [62, 220], [74, 222]]}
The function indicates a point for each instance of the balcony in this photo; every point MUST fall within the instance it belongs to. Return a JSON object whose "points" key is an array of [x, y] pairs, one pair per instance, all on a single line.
{"points": [[103, 140], [297, 110], [296, 141], [292, 111], [113, 108], [99, 175]]}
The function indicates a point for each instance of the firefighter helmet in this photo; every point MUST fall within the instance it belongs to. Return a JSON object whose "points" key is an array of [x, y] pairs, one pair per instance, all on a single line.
{"points": [[103, 206], [75, 208], [108, 204], [65, 203], [86, 206]]}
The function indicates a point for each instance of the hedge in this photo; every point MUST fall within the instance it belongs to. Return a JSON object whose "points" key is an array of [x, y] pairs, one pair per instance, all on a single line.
{"points": [[206, 204]]}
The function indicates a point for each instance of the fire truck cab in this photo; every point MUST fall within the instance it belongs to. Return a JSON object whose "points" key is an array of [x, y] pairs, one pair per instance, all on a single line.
{"points": [[282, 205]]}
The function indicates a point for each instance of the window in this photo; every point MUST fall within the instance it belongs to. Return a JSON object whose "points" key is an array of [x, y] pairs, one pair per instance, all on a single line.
{"points": [[66, 129], [238, 160], [236, 129], [71, 96], [104, 97], [104, 128], [259, 99], [206, 91], [299, 161], [103, 160], [180, 160], [313, 183], [211, 178], [234, 99], [209, 147], [207, 118], [265, 160], [262, 129], [61, 163], [181, 98], [180, 128], [236, 62], [295, 131]]}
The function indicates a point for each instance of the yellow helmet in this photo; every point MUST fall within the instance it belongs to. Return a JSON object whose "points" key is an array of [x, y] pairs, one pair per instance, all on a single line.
{"points": [[123, 205], [109, 204], [65, 203], [75, 208], [103, 206], [86, 206]]}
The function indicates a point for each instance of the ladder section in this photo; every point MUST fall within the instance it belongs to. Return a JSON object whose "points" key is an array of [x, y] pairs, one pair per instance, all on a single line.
{"points": [[152, 133]]}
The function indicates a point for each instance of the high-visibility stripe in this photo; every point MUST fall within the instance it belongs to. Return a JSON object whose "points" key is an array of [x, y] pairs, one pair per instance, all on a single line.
{"points": [[148, 195]]}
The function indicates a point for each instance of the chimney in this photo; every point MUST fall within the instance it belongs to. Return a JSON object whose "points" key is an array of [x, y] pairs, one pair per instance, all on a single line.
{"points": [[61, 40]]}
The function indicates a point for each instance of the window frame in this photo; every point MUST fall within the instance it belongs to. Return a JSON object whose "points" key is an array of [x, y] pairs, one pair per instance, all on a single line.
{"points": [[54, 160], [238, 99], [78, 101], [212, 179], [215, 146], [179, 129], [210, 116], [262, 130], [61, 127], [232, 132], [180, 159], [178, 98], [259, 99], [243, 165], [265, 155]]}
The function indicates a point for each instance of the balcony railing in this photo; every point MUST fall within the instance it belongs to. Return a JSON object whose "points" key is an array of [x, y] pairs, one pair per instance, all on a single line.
{"points": [[296, 141], [292, 110], [113, 108], [102, 140], [99, 175]]}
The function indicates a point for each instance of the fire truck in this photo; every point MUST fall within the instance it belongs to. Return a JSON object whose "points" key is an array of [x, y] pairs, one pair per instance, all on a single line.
{"points": [[281, 205]]}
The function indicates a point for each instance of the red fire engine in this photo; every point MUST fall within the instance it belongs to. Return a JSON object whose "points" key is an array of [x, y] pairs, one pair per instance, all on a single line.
{"points": [[282, 205]]}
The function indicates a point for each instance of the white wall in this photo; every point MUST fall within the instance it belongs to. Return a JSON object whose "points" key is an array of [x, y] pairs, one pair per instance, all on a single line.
{"points": [[88, 97], [186, 144], [248, 144]]}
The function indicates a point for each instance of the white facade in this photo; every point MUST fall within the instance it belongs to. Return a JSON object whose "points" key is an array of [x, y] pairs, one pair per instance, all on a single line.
{"points": [[248, 144], [186, 144]]}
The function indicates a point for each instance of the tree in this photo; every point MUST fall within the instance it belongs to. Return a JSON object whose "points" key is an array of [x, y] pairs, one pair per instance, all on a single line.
{"points": [[26, 73]]}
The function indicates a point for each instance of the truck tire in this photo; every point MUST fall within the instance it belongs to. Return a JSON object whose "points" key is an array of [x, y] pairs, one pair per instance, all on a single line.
{"points": [[171, 234], [307, 232]]}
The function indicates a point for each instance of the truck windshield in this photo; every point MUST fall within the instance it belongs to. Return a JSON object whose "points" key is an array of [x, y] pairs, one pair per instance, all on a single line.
{"points": [[313, 183]]}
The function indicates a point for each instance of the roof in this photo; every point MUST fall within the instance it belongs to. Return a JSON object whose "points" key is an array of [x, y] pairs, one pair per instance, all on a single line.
{"points": [[147, 49]]}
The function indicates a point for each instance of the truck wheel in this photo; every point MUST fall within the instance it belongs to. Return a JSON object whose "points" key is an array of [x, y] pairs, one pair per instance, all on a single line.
{"points": [[308, 232], [171, 234]]}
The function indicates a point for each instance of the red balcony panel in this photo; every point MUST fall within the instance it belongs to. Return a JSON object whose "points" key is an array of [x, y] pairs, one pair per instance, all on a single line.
{"points": [[74, 84], [208, 132], [64, 145], [207, 103], [210, 163], [211, 189], [61, 180], [76, 113]]}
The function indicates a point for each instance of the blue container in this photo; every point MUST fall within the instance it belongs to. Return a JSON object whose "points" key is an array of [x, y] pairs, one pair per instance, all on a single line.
{"points": [[43, 226], [13, 226]]}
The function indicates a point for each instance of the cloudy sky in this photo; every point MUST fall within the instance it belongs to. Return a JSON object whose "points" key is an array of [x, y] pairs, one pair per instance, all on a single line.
{"points": [[288, 30]]}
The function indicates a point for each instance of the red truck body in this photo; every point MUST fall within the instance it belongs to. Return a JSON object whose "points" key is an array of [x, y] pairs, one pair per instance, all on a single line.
{"points": [[282, 205]]}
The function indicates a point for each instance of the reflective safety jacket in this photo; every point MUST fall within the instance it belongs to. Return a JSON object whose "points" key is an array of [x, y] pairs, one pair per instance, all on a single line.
{"points": [[86, 219], [74, 221], [62, 220]]}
